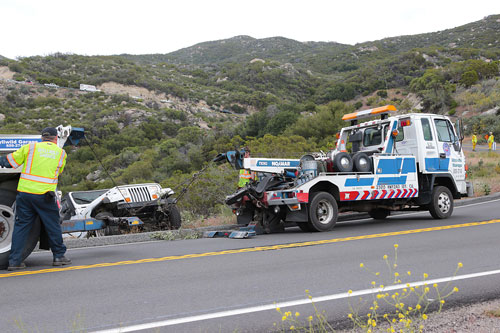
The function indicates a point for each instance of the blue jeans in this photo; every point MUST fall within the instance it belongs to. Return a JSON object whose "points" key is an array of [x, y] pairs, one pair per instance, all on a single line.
{"points": [[28, 207]]}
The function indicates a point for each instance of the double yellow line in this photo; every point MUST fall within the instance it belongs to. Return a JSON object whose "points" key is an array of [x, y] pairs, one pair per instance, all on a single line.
{"points": [[249, 249]]}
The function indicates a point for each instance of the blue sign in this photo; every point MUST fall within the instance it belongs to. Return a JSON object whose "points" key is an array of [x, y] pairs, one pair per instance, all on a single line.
{"points": [[13, 143]]}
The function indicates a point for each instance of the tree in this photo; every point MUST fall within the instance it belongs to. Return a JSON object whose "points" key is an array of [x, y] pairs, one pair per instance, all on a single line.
{"points": [[469, 78]]}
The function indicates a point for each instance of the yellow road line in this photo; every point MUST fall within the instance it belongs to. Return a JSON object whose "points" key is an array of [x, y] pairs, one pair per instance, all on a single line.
{"points": [[249, 249]]}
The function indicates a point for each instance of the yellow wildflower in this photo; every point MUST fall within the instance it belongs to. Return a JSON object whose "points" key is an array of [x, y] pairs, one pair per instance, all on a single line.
{"points": [[349, 292], [409, 273], [297, 314], [460, 265], [396, 246], [424, 316], [426, 275], [455, 289], [385, 256], [292, 327], [361, 265]]}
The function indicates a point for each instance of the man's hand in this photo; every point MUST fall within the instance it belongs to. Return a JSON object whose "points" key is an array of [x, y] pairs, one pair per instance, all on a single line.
{"points": [[4, 163]]}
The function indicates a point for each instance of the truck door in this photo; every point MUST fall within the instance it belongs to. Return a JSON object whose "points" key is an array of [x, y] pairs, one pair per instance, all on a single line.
{"points": [[448, 148]]}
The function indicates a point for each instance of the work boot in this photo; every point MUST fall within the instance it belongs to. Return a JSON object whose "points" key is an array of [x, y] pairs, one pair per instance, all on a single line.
{"points": [[61, 261], [16, 267]]}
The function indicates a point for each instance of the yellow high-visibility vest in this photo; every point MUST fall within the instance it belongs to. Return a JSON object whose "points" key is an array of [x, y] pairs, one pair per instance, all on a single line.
{"points": [[491, 138], [42, 163], [474, 139], [245, 177]]}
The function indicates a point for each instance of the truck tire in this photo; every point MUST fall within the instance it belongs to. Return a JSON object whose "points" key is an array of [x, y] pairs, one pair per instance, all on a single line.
{"points": [[379, 213], [342, 162], [174, 216], [323, 212], [441, 206], [362, 162], [7, 227]]}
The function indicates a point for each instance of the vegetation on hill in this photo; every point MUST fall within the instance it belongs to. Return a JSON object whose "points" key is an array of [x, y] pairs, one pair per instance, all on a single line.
{"points": [[280, 97]]}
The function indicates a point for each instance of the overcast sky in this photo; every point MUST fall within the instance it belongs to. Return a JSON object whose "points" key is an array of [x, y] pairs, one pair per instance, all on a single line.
{"points": [[102, 27]]}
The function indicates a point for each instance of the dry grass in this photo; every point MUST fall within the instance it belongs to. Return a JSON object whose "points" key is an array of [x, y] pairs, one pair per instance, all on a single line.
{"points": [[484, 171]]}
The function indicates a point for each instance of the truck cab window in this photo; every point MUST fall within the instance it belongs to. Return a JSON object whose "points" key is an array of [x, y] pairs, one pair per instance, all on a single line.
{"points": [[444, 130], [426, 128], [372, 136]]}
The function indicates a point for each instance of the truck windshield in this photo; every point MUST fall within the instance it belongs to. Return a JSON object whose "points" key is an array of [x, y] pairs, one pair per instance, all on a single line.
{"points": [[86, 197]]}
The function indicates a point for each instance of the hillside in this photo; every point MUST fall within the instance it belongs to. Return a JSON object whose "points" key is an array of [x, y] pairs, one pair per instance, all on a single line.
{"points": [[162, 117]]}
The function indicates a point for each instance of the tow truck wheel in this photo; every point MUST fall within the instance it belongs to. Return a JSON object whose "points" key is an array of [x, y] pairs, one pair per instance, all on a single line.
{"points": [[323, 211], [379, 213], [441, 206], [362, 162], [342, 162], [7, 215]]}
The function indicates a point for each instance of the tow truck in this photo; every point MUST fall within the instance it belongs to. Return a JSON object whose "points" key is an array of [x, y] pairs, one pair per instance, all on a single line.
{"points": [[398, 162]]}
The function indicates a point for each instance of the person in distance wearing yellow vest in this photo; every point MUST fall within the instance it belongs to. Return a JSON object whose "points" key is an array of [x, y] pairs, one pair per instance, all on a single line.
{"points": [[491, 141], [245, 175], [42, 163], [474, 142]]}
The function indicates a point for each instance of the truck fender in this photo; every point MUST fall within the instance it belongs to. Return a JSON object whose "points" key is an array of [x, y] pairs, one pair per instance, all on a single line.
{"points": [[447, 181]]}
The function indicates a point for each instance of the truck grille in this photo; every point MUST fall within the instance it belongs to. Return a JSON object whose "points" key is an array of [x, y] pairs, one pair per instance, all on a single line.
{"points": [[139, 194]]}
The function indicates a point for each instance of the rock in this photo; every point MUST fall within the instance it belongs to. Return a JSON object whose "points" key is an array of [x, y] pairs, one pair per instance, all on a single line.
{"points": [[2, 117], [491, 111]]}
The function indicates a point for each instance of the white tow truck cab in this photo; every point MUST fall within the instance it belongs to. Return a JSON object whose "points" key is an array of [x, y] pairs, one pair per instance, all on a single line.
{"points": [[398, 162]]}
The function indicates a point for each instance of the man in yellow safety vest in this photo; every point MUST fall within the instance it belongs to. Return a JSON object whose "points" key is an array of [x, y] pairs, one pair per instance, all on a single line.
{"points": [[41, 162], [491, 139], [474, 142], [245, 175]]}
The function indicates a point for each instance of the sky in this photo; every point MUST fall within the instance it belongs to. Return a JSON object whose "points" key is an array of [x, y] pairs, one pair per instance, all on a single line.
{"points": [[104, 27]]}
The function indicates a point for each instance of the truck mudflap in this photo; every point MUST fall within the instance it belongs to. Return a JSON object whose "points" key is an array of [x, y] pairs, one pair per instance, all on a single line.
{"points": [[94, 224]]}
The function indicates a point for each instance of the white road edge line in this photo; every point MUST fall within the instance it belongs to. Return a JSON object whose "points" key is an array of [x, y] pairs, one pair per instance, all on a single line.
{"points": [[273, 306]]}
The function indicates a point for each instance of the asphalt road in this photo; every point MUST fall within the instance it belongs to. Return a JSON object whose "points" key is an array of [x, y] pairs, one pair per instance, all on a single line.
{"points": [[479, 148], [226, 285]]}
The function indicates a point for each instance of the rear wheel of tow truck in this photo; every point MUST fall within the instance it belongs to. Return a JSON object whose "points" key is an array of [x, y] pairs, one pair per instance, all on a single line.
{"points": [[323, 212], [379, 213], [441, 206], [7, 215]]}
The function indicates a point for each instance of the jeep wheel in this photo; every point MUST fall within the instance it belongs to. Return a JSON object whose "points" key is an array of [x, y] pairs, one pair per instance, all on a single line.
{"points": [[109, 230], [323, 211], [174, 217], [441, 206]]}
